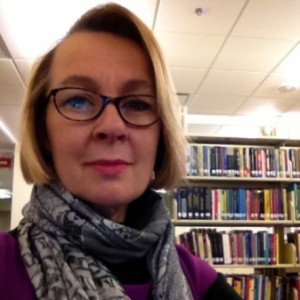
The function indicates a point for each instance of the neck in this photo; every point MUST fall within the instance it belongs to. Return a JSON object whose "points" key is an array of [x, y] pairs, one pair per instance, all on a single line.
{"points": [[115, 214]]}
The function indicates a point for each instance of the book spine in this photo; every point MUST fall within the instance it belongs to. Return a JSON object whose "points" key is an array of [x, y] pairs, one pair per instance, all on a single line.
{"points": [[190, 206]]}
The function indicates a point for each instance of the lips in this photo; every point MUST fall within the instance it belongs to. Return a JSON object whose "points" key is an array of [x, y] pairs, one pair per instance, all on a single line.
{"points": [[109, 167]]}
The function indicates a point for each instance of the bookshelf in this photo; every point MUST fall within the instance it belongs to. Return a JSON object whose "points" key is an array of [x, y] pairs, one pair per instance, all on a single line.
{"points": [[240, 201]]}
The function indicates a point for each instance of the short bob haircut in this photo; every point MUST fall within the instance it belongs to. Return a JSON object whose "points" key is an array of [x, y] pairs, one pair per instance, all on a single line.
{"points": [[36, 163]]}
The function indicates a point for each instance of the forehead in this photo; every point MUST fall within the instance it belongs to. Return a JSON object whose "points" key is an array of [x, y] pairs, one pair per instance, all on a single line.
{"points": [[106, 58]]}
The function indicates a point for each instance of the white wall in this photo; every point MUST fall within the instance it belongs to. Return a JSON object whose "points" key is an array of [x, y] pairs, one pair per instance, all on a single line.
{"points": [[21, 191]]}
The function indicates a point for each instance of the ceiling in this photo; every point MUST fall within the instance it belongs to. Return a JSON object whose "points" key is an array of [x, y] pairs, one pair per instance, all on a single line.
{"points": [[226, 63]]}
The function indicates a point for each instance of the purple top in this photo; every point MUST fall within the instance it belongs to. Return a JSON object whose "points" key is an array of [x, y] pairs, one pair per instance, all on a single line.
{"points": [[16, 285]]}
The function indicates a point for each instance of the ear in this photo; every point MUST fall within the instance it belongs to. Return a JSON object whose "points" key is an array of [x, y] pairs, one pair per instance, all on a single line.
{"points": [[153, 175]]}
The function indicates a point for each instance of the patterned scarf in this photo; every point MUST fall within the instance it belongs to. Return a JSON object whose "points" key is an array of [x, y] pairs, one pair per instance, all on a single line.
{"points": [[65, 245]]}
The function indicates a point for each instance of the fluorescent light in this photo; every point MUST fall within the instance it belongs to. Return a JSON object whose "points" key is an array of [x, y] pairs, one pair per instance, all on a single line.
{"points": [[5, 194], [224, 120], [7, 132], [255, 120]]}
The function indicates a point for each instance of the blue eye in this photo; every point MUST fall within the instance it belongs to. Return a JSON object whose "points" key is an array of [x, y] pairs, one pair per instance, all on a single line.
{"points": [[80, 104], [136, 105]]}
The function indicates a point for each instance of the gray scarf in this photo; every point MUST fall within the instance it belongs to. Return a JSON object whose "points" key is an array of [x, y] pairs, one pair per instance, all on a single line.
{"points": [[65, 245]]}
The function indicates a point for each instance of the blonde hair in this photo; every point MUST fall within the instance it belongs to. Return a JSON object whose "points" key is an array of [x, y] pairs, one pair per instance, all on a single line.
{"points": [[36, 162]]}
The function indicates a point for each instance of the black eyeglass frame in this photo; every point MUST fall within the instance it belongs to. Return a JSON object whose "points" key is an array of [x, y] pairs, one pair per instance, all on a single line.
{"points": [[105, 100]]}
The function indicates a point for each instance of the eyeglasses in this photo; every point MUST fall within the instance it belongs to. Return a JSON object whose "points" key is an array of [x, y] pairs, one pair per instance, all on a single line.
{"points": [[79, 104]]}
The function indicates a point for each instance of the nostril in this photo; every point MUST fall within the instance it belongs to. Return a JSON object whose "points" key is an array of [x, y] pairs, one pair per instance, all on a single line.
{"points": [[121, 137], [102, 136]]}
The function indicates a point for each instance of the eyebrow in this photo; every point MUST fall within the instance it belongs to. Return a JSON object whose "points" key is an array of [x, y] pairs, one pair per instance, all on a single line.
{"points": [[130, 86], [137, 85], [82, 81]]}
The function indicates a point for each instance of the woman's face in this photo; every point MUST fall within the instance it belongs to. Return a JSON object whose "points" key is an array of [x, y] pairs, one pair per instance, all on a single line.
{"points": [[104, 161]]}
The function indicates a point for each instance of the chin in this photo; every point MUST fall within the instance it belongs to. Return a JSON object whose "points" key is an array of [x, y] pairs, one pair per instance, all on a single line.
{"points": [[108, 199]]}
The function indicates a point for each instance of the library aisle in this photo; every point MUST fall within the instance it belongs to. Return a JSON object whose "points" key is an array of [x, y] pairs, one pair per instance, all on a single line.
{"points": [[6, 179]]}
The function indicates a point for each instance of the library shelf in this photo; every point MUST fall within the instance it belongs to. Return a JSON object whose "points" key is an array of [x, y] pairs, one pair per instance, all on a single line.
{"points": [[242, 194], [228, 223]]}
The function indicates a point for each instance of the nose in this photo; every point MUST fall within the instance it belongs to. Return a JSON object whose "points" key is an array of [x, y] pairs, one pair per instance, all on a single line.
{"points": [[109, 125]]}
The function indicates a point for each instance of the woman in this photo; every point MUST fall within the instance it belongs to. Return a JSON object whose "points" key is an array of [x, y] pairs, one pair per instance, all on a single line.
{"points": [[99, 133]]}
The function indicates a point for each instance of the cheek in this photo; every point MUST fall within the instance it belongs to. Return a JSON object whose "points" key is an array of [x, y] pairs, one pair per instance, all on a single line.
{"points": [[55, 136], [52, 127], [64, 143], [150, 145], [61, 139]]}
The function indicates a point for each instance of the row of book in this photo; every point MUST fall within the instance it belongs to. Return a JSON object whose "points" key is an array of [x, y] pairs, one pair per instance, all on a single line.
{"points": [[207, 203], [243, 161], [294, 196], [252, 287], [236, 247], [264, 287], [294, 238]]}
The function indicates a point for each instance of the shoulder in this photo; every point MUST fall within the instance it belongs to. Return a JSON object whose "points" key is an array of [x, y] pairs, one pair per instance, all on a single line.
{"points": [[204, 281], [198, 273], [9, 255], [8, 247], [12, 270]]}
